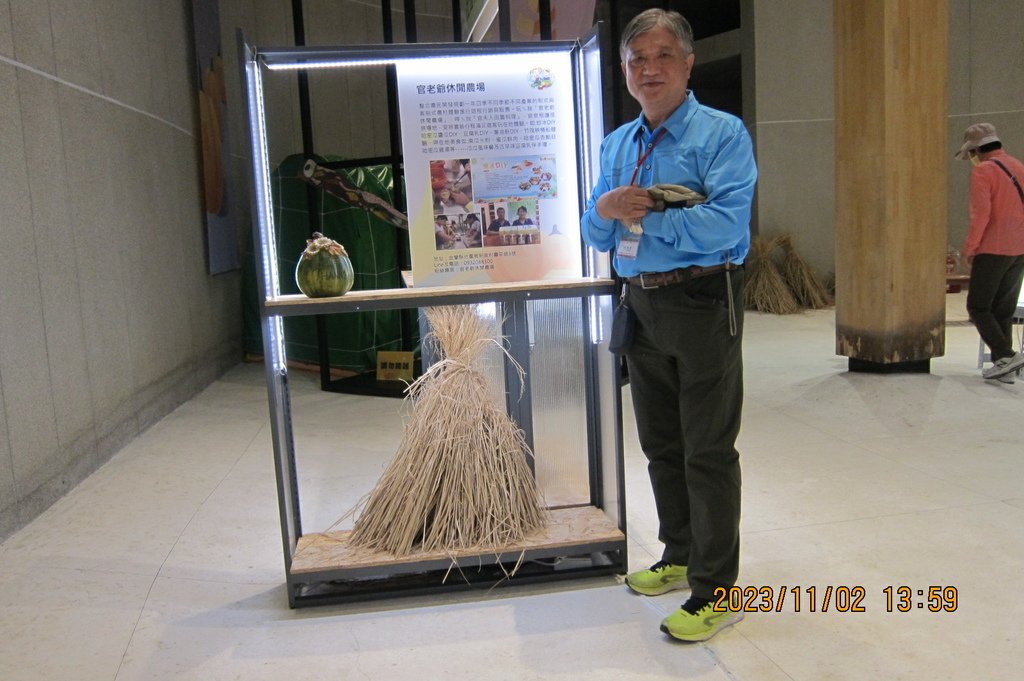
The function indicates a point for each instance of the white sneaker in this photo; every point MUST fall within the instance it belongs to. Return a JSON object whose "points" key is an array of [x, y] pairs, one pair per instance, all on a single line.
{"points": [[1004, 366]]}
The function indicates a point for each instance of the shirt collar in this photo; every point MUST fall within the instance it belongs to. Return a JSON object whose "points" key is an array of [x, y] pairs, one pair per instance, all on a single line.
{"points": [[675, 123]]}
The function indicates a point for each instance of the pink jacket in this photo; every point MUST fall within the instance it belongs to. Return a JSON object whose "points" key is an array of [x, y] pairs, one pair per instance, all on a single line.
{"points": [[996, 211]]}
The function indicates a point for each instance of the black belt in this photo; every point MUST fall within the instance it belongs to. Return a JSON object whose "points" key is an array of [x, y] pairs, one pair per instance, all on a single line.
{"points": [[683, 274]]}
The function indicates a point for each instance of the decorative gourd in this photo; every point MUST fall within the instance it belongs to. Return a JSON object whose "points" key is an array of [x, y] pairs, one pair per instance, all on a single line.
{"points": [[324, 269]]}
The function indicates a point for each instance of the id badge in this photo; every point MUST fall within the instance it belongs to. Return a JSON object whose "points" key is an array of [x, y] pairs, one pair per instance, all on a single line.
{"points": [[628, 246]]}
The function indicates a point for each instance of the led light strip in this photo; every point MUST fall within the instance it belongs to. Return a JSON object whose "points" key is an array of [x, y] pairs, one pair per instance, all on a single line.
{"points": [[265, 216]]}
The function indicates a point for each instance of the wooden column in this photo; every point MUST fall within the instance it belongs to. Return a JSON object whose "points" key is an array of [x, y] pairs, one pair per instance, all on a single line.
{"points": [[891, 160]]}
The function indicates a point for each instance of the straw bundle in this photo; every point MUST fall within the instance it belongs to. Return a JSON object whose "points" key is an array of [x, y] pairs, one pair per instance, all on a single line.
{"points": [[460, 478], [808, 290], [766, 289]]}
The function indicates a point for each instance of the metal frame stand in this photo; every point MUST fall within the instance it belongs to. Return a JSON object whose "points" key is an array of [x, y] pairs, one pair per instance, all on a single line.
{"points": [[591, 537]]}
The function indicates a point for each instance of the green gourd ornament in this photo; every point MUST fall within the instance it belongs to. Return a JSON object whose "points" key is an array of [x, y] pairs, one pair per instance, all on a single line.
{"points": [[324, 269]]}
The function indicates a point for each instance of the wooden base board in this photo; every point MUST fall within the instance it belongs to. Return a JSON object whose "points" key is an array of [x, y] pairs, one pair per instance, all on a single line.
{"points": [[568, 527]]}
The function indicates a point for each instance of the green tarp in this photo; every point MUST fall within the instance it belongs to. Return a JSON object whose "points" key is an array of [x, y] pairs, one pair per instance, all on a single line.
{"points": [[353, 338]]}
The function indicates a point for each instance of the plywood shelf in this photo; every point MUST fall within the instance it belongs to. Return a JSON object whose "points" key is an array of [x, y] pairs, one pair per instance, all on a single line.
{"points": [[579, 527], [399, 298]]}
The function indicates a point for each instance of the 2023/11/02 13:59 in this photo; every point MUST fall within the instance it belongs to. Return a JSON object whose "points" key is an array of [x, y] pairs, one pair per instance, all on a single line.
{"points": [[831, 598]]}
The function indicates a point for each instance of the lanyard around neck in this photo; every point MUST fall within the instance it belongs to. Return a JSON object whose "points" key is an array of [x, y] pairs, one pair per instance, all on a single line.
{"points": [[642, 155]]}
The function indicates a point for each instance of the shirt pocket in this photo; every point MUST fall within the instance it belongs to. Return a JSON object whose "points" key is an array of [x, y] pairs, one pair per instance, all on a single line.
{"points": [[684, 166], [621, 173]]}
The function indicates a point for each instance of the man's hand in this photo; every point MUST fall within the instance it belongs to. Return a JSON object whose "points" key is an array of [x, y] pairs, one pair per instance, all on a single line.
{"points": [[627, 204]]}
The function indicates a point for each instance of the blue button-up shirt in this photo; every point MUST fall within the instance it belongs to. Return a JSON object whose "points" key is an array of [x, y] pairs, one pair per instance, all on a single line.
{"points": [[706, 150]]}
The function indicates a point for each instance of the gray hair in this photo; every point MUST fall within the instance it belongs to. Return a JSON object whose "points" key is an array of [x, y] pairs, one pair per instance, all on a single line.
{"points": [[657, 18]]}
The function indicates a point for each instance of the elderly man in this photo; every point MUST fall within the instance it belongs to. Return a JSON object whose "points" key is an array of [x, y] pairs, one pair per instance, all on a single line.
{"points": [[684, 281], [994, 245], [499, 221]]}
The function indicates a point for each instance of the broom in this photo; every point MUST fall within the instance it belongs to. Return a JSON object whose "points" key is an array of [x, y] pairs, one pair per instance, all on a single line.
{"points": [[803, 282], [766, 289], [461, 477]]}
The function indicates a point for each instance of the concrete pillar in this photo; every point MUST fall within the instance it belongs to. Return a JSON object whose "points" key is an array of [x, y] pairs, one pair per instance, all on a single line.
{"points": [[891, 163]]}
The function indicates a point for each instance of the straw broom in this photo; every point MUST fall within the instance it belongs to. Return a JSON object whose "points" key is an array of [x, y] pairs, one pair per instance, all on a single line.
{"points": [[766, 289], [801, 279], [460, 478]]}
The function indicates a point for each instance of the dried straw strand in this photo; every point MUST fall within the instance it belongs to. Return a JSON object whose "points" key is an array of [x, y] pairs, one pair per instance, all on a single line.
{"points": [[461, 477], [765, 289], [807, 289]]}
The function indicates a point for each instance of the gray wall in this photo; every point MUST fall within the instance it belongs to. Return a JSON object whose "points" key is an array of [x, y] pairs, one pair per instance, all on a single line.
{"points": [[108, 319], [986, 70], [789, 106]]}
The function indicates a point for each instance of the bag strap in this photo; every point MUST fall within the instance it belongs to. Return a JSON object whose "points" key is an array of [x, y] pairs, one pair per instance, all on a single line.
{"points": [[1013, 179]]}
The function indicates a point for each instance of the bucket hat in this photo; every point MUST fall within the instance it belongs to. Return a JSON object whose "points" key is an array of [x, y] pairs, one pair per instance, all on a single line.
{"points": [[975, 136]]}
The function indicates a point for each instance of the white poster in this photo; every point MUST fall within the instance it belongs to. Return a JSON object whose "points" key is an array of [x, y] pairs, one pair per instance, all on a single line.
{"points": [[489, 146]]}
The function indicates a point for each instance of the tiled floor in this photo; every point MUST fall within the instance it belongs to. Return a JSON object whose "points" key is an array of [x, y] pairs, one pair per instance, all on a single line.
{"points": [[166, 563]]}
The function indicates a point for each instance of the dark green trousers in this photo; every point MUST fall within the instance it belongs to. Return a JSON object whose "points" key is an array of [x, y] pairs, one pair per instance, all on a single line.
{"points": [[992, 299], [686, 379]]}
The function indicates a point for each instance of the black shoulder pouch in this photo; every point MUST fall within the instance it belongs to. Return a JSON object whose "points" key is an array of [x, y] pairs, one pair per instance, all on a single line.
{"points": [[623, 322]]}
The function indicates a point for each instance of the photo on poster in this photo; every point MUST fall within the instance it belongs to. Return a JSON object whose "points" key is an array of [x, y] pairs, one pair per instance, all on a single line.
{"points": [[452, 185], [452, 232], [517, 176], [511, 223], [451, 182]]}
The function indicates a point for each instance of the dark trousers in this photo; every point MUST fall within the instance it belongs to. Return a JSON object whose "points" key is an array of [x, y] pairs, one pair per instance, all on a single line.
{"points": [[686, 379], [992, 299]]}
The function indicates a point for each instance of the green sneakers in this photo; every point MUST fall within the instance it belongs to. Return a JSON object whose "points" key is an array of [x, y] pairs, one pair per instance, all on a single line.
{"points": [[658, 579], [698, 621]]}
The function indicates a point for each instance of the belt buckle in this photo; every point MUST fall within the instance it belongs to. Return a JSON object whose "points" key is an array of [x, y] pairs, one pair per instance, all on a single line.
{"points": [[643, 283]]}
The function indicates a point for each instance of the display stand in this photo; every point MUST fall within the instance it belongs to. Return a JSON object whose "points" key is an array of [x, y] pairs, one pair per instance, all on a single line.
{"points": [[583, 538]]}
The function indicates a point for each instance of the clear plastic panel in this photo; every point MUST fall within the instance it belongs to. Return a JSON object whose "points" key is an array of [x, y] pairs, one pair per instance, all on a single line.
{"points": [[558, 392]]}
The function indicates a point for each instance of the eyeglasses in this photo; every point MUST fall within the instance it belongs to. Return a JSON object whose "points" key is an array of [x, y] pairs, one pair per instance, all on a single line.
{"points": [[661, 59]]}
